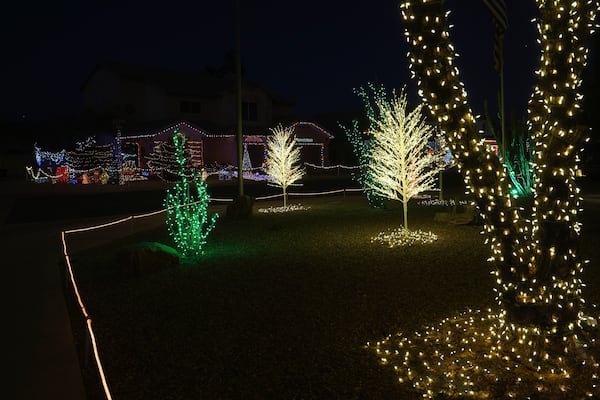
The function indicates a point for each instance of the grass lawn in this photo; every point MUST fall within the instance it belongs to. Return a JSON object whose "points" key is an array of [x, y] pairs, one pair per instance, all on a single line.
{"points": [[282, 305]]}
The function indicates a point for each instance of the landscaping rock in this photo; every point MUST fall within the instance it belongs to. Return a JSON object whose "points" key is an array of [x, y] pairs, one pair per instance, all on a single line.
{"points": [[147, 257]]}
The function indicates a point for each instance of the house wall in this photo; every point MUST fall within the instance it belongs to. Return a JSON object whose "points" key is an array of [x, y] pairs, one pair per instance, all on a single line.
{"points": [[221, 150], [101, 91]]}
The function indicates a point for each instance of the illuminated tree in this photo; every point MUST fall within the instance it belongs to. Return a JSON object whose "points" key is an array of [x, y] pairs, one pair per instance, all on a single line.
{"points": [[400, 164], [361, 141], [187, 203], [540, 343], [164, 161], [283, 159], [518, 165], [518, 158]]}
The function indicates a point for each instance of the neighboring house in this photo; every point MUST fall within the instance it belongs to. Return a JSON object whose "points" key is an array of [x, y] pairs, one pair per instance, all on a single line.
{"points": [[140, 94], [208, 148]]}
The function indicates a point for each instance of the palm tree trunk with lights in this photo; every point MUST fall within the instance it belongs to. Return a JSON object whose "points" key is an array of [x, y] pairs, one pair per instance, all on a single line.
{"points": [[537, 266]]}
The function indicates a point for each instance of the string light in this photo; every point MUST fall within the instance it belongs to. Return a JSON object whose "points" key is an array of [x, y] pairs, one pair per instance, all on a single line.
{"points": [[285, 209], [540, 342], [187, 216], [403, 237], [400, 165], [360, 143], [283, 156]]}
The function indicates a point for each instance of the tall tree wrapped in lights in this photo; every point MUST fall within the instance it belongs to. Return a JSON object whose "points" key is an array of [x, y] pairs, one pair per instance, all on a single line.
{"points": [[186, 203], [399, 162], [283, 159], [540, 342]]}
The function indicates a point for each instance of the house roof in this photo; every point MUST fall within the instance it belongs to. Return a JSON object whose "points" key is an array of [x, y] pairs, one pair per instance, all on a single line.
{"points": [[301, 128], [180, 82]]}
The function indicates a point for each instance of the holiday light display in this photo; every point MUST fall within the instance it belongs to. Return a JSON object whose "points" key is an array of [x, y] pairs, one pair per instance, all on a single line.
{"points": [[403, 237], [541, 342], [518, 157], [277, 210], [518, 166], [164, 162], [361, 142], [283, 159], [186, 203], [400, 164], [89, 156], [42, 156]]}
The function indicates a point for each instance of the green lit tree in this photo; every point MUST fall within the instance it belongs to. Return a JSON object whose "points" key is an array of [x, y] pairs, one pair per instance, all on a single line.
{"points": [[361, 140], [518, 159], [188, 220], [283, 159], [541, 341], [400, 163]]}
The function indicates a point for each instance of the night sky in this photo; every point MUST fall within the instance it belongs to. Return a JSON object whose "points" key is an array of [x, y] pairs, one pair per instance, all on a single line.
{"points": [[312, 52]]}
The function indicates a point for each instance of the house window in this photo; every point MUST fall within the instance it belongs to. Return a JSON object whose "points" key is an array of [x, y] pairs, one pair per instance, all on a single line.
{"points": [[191, 107], [249, 111]]}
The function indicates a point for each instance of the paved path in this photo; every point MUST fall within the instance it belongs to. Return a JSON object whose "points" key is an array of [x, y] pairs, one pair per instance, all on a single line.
{"points": [[43, 356], [45, 362]]}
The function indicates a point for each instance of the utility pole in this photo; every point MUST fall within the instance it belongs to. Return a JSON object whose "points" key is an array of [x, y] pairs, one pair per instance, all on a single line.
{"points": [[238, 78]]}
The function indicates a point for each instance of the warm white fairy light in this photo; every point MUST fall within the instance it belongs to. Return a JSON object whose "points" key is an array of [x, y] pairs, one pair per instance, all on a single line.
{"points": [[540, 342], [401, 237], [288, 208], [399, 163], [283, 159]]}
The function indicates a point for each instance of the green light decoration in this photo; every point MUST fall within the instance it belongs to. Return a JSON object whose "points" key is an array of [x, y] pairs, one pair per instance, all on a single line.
{"points": [[361, 141], [519, 158], [188, 221], [518, 164], [283, 160], [541, 340]]}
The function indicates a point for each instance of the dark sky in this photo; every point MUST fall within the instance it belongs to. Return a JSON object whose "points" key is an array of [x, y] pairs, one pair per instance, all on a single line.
{"points": [[313, 52]]}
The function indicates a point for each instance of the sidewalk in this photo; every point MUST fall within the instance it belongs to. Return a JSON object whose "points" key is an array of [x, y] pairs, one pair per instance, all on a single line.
{"points": [[45, 362], [43, 357]]}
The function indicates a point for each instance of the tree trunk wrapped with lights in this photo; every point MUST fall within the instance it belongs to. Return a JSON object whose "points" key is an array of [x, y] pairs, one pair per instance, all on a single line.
{"points": [[538, 280], [440, 87], [540, 340]]}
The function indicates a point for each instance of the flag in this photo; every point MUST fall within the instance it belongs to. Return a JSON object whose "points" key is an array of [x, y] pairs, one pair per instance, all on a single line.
{"points": [[498, 10]]}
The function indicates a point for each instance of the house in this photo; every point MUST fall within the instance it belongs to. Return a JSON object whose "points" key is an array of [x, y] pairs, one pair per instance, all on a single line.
{"points": [[138, 94], [139, 99], [210, 148]]}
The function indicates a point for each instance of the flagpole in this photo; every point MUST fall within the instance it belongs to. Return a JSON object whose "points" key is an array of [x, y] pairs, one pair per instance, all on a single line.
{"points": [[502, 118]]}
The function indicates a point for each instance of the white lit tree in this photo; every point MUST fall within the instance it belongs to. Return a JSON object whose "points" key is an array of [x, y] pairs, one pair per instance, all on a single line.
{"points": [[283, 159], [400, 162], [541, 341]]}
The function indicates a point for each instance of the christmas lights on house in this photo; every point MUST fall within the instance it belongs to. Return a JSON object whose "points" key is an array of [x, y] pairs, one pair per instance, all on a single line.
{"points": [[541, 342]]}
